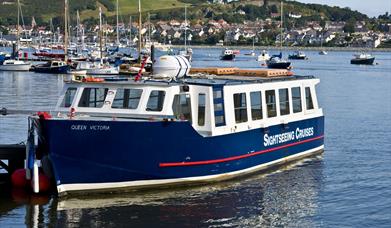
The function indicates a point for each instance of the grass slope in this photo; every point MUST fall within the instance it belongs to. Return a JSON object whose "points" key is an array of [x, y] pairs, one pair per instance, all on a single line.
{"points": [[130, 7]]}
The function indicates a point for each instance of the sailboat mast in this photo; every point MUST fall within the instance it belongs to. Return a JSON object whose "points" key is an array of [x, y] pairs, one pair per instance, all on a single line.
{"points": [[78, 26], [139, 30], [185, 26], [149, 27], [66, 31], [100, 35], [117, 26], [281, 21], [130, 29], [17, 32]]}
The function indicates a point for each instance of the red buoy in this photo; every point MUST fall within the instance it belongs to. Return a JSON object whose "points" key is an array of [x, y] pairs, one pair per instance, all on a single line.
{"points": [[44, 183], [18, 178]]}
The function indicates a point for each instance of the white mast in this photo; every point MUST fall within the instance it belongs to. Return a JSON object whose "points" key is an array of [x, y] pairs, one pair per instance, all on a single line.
{"points": [[17, 33], [149, 27], [78, 27], [100, 35], [139, 29], [117, 26], [66, 31], [130, 29], [281, 21], [185, 26]]}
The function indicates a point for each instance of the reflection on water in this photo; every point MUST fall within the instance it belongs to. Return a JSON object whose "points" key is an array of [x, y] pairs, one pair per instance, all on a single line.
{"points": [[287, 197]]}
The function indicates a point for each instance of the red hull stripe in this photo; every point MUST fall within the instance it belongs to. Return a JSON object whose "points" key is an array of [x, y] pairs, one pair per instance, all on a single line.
{"points": [[207, 162]]}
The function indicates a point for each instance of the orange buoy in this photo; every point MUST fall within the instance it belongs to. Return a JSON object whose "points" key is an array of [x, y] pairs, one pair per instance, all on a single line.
{"points": [[18, 178]]}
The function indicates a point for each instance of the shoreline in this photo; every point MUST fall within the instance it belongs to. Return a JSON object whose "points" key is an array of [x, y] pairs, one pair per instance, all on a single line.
{"points": [[289, 48]]}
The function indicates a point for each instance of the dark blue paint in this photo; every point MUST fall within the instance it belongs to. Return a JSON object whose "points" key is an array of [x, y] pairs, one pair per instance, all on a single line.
{"points": [[133, 150]]}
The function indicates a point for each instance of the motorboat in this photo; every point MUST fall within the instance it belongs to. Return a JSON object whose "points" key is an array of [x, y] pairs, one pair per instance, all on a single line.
{"points": [[363, 58]]}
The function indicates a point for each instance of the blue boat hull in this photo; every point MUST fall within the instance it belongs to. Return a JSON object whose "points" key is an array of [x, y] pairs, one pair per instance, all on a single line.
{"points": [[100, 152], [52, 70], [368, 61]]}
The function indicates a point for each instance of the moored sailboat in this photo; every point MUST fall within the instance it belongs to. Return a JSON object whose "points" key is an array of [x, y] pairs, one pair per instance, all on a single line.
{"points": [[16, 64], [276, 61], [363, 59]]}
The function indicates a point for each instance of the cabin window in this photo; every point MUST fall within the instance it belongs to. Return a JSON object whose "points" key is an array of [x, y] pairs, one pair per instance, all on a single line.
{"points": [[271, 103], [156, 100], [296, 99], [127, 98], [68, 98], [181, 106], [54, 64], [256, 105], [240, 107], [218, 106], [201, 109], [308, 98], [93, 97], [284, 101]]}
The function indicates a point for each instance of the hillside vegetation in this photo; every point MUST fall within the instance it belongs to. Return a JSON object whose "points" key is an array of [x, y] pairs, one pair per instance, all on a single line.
{"points": [[163, 10]]}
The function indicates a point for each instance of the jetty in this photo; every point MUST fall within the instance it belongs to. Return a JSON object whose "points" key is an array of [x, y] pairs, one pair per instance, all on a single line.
{"points": [[15, 155]]}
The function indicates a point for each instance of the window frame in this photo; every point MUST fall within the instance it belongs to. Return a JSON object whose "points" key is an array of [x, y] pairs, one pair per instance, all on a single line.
{"points": [[267, 103], [311, 99], [240, 112], [260, 105], [198, 109], [297, 99], [126, 98], [287, 110], [106, 90], [162, 103]]}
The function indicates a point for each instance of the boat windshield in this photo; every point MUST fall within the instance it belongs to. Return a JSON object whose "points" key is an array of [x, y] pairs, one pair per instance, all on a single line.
{"points": [[68, 97]]}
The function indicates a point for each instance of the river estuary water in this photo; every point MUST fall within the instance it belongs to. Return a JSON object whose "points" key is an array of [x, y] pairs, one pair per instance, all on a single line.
{"points": [[348, 186]]}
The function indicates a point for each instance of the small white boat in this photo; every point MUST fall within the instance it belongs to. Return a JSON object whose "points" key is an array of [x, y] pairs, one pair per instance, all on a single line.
{"points": [[15, 65], [264, 56], [323, 52], [102, 69]]}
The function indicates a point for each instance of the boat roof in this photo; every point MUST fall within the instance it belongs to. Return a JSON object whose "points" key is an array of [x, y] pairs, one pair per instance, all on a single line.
{"points": [[205, 80]]}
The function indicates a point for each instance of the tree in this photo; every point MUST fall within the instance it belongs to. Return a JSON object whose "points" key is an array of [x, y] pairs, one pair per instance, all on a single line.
{"points": [[349, 26]]}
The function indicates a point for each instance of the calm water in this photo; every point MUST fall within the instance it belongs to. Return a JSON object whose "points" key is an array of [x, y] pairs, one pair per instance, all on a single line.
{"points": [[348, 186]]}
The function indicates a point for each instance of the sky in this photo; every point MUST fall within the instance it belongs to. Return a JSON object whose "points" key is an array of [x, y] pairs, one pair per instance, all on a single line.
{"points": [[372, 8]]}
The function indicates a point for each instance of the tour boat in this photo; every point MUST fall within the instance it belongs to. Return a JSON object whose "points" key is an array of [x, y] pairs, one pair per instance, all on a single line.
{"points": [[173, 128], [227, 54], [364, 59]]}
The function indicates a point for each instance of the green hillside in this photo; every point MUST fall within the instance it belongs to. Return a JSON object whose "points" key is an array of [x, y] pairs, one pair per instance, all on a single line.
{"points": [[43, 10]]}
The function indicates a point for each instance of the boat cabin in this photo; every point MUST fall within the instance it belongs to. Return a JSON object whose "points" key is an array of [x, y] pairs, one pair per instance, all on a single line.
{"points": [[227, 52], [211, 106]]}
